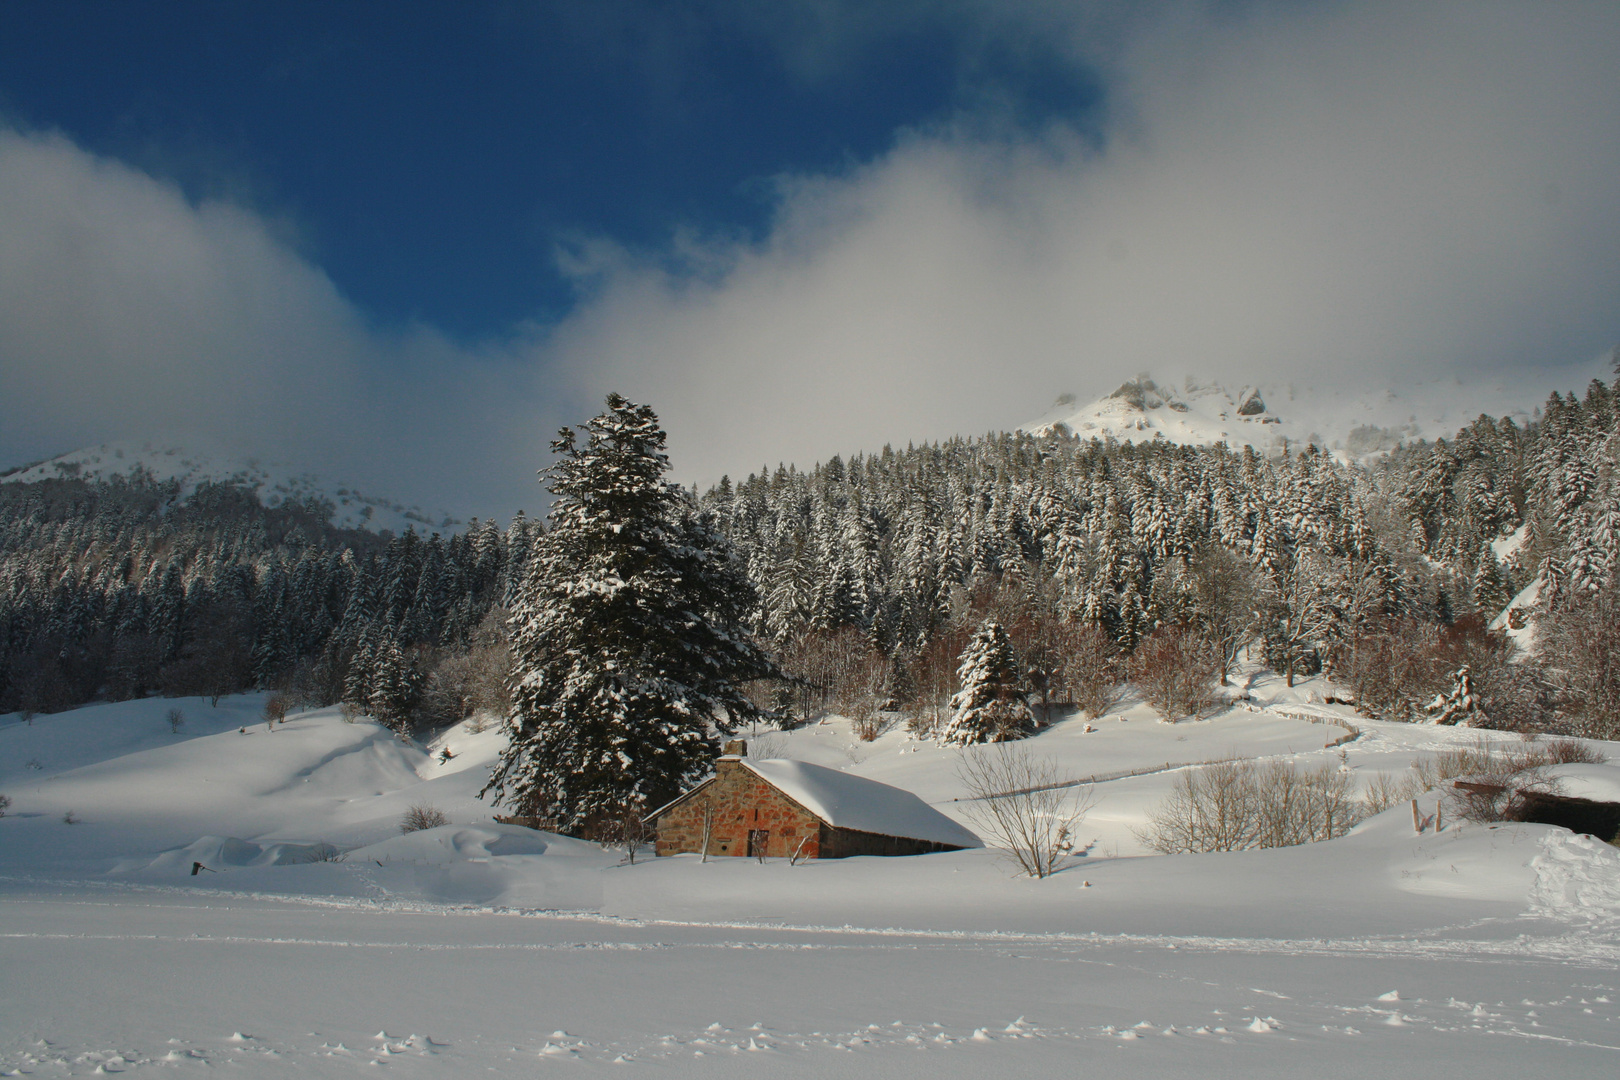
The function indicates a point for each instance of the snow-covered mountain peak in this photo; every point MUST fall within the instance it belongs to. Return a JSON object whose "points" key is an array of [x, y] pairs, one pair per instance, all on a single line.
{"points": [[275, 482], [1272, 416]]}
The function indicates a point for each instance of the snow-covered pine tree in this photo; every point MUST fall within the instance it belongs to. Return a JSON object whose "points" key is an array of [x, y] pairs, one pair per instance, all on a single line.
{"points": [[1461, 706], [629, 636], [989, 707], [396, 686]]}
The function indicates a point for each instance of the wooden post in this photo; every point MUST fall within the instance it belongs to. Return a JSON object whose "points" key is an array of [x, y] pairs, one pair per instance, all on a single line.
{"points": [[1417, 822], [708, 825]]}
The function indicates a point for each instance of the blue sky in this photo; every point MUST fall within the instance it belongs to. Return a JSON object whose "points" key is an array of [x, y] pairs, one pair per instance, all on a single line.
{"points": [[402, 243], [432, 157]]}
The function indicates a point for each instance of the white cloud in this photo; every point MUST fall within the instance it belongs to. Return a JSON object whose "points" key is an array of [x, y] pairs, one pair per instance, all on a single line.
{"points": [[127, 311], [1344, 191]]}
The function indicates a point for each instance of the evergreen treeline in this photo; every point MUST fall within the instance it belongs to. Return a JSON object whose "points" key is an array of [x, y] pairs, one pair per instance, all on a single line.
{"points": [[119, 589], [874, 572]]}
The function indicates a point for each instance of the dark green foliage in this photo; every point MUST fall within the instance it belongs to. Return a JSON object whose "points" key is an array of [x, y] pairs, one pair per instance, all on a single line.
{"points": [[122, 588], [629, 636]]}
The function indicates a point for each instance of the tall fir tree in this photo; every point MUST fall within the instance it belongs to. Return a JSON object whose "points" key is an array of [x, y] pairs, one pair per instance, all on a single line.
{"points": [[629, 636]]}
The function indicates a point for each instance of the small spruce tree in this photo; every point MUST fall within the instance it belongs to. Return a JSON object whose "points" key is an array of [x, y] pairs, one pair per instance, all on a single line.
{"points": [[990, 706]]}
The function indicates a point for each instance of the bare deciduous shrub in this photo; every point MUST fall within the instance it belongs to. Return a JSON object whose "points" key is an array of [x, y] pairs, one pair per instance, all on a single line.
{"points": [[1209, 809], [1225, 589], [1387, 669], [467, 686], [865, 720], [422, 816], [1232, 805], [1499, 760], [1302, 806], [176, 718], [276, 707], [1500, 771], [1579, 640], [5, 804], [768, 744], [1093, 671], [1175, 671], [1394, 667], [1385, 791], [923, 725], [1024, 804], [326, 853], [1571, 752], [621, 827], [934, 672]]}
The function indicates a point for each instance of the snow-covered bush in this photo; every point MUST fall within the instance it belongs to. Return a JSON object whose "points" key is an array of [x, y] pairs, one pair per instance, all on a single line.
{"points": [[1231, 805], [1023, 804], [990, 707], [422, 816]]}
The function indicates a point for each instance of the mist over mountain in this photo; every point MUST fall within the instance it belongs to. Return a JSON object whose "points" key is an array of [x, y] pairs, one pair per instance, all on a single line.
{"points": [[1351, 423]]}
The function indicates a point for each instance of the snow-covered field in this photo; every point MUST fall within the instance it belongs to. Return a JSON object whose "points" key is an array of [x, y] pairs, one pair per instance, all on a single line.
{"points": [[474, 947]]}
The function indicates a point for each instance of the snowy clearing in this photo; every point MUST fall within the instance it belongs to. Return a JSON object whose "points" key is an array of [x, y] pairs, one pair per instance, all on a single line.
{"points": [[1474, 950]]}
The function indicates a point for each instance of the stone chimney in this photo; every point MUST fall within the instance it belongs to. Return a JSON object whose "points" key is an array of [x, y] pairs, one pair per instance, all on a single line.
{"points": [[736, 748]]}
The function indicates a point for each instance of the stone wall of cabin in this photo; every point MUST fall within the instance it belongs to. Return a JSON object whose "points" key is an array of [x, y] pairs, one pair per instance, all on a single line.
{"points": [[741, 802], [842, 843]]}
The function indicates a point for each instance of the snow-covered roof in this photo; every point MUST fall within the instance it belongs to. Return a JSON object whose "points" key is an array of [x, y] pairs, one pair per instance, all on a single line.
{"points": [[854, 802], [1600, 783]]}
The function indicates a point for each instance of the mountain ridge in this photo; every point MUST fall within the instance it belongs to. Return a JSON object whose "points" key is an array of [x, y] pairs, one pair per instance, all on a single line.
{"points": [[1272, 416], [275, 483]]}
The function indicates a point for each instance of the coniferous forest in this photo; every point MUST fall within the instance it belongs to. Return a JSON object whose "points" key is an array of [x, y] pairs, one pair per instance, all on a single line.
{"points": [[1103, 563]]}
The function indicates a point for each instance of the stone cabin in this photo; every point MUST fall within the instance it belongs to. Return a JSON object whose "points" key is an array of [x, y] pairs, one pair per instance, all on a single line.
{"points": [[776, 808]]}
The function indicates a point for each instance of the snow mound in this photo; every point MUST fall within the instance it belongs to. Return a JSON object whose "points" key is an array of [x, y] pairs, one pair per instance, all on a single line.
{"points": [[465, 843], [854, 802], [218, 852], [1577, 877]]}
